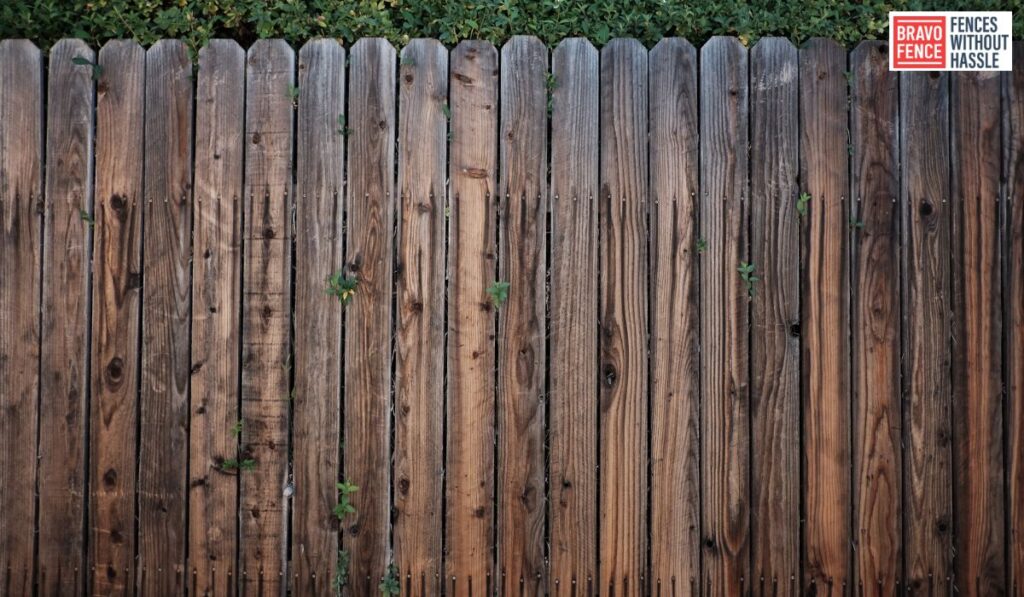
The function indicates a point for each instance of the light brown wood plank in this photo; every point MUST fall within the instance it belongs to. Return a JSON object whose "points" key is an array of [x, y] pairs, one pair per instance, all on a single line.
{"points": [[875, 320], [21, 228], [522, 262], [116, 305], [675, 318], [573, 318], [725, 414], [316, 427], [622, 537], [419, 320], [266, 315], [67, 242], [368, 256], [472, 268], [216, 311]]}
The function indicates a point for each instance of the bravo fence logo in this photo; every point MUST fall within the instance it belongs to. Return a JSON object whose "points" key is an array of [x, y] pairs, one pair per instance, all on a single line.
{"points": [[950, 41]]}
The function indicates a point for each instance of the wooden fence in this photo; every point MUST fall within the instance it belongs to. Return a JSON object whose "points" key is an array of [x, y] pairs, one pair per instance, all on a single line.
{"points": [[764, 328]]}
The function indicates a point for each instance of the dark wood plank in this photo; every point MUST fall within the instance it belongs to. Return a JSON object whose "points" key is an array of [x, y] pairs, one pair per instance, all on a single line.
{"points": [[675, 318], [419, 319], [622, 537], [521, 322], [725, 417], [875, 320], [472, 253], [316, 409], [166, 318], [216, 309], [573, 317], [924, 186], [116, 305], [21, 197], [980, 566], [67, 244], [266, 315], [775, 334], [369, 245], [824, 165]]}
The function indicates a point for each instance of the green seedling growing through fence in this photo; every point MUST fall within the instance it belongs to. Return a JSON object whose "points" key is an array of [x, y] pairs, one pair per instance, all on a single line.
{"points": [[498, 293], [408, 60], [344, 506], [342, 286], [856, 224], [552, 85], [87, 218], [233, 464], [447, 110], [97, 70], [343, 129], [702, 245], [389, 585], [341, 567], [236, 429], [801, 204], [293, 94], [746, 271]]}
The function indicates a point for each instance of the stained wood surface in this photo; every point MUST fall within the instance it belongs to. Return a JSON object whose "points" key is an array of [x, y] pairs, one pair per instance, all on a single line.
{"points": [[824, 329], [472, 268], [67, 248], [980, 566], [775, 327], [266, 316], [1013, 293], [319, 225], [927, 455], [875, 320], [21, 220], [675, 317], [572, 361], [725, 303], [419, 316], [216, 311], [116, 316]]}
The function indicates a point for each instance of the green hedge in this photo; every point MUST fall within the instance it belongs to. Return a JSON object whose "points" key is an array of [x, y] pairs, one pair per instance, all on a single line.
{"points": [[450, 21]]}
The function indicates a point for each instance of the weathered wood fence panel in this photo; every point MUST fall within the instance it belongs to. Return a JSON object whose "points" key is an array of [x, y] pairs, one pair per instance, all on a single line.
{"points": [[631, 322]]}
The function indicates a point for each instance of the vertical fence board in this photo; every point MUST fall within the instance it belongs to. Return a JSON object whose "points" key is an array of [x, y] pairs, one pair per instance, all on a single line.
{"points": [[775, 342], [67, 242], [927, 495], [21, 195], [725, 417], [1013, 289], [166, 318], [824, 164], [472, 253], [977, 327], [266, 315], [116, 306], [573, 309], [316, 427], [675, 318], [521, 319], [875, 312], [216, 308], [419, 317]]}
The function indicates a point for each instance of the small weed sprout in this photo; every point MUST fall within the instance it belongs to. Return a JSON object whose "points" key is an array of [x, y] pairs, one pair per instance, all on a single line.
{"points": [[233, 464], [498, 293], [236, 429], [389, 585], [342, 286], [343, 129], [293, 94], [801, 204], [344, 506], [87, 218], [746, 271], [856, 224], [97, 70], [702, 245], [341, 567]]}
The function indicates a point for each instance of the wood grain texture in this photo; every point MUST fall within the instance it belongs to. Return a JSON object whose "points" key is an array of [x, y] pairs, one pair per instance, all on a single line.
{"points": [[622, 537], [116, 314], [573, 317], [21, 228], [979, 531], [1013, 301], [927, 456], [368, 319], [875, 320], [266, 315], [521, 319], [67, 244], [216, 312], [319, 228], [775, 333], [675, 317], [725, 416], [419, 319], [824, 174], [166, 318], [472, 268]]}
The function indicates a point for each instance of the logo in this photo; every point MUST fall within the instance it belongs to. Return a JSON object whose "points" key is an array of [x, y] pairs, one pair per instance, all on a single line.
{"points": [[950, 41]]}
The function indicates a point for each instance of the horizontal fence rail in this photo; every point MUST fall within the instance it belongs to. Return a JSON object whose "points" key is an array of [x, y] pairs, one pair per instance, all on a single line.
{"points": [[516, 321]]}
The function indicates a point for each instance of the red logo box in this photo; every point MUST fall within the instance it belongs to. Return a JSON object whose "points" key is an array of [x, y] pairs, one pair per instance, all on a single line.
{"points": [[919, 42]]}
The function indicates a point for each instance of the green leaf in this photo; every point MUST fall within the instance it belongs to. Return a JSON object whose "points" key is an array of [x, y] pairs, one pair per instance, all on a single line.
{"points": [[498, 293]]}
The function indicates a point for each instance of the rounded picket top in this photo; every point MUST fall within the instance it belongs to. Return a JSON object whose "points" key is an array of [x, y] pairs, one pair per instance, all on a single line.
{"points": [[773, 45], [320, 44], [673, 46], [579, 46], [23, 50], [623, 45], [721, 46], [373, 45], [269, 55], [472, 49], [220, 50], [870, 50], [822, 44], [524, 44], [77, 52], [422, 51]]}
